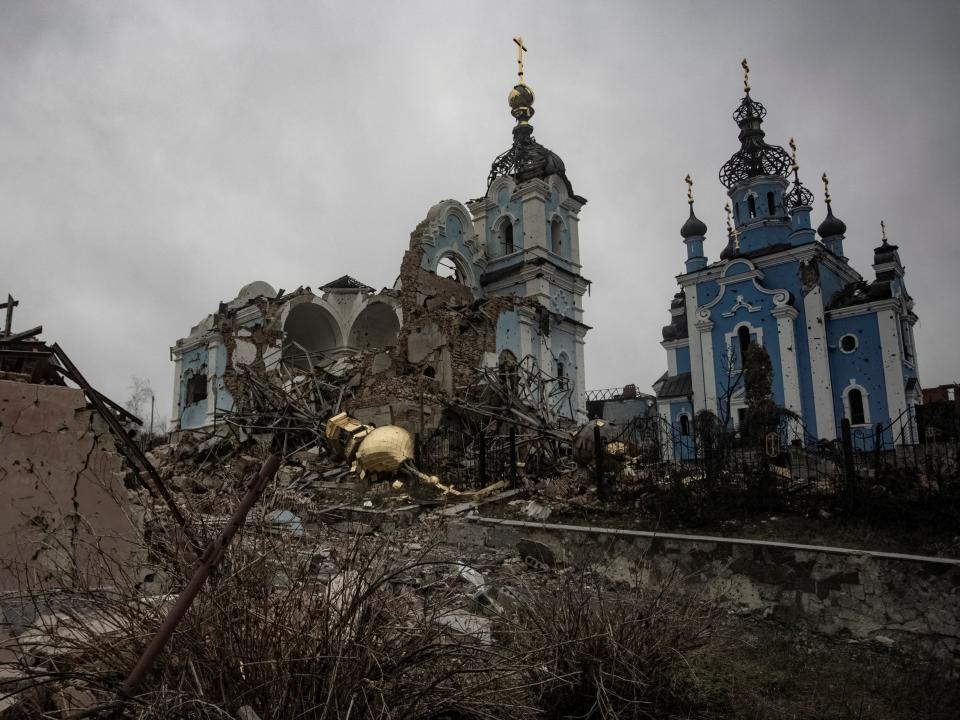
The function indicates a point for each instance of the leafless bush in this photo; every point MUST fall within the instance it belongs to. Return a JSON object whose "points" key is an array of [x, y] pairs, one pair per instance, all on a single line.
{"points": [[294, 627], [598, 654], [274, 632]]}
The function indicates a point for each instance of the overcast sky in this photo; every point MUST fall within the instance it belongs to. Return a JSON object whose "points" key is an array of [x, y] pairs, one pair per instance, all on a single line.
{"points": [[156, 156]]}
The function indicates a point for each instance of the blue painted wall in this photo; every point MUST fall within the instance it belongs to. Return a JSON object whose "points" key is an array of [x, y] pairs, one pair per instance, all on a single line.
{"points": [[192, 363], [683, 360]]}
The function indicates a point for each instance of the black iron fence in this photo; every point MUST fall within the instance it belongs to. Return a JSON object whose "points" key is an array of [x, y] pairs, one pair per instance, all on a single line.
{"points": [[701, 473], [475, 460]]}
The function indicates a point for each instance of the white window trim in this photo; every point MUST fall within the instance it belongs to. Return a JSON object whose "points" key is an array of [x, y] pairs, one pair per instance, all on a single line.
{"points": [[856, 343], [732, 335], [866, 403]]}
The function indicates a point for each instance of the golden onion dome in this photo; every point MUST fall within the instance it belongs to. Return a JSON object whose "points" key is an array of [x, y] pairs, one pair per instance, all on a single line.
{"points": [[521, 100]]}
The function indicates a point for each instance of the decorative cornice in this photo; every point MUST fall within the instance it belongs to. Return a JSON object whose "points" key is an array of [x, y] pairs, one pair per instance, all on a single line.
{"points": [[865, 309], [798, 252], [785, 311]]}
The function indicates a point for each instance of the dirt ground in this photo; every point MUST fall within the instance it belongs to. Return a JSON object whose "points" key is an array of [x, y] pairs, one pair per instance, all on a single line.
{"points": [[825, 529], [767, 671]]}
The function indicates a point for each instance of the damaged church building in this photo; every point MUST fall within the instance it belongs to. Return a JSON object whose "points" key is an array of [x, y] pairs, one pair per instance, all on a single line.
{"points": [[841, 347], [493, 283]]}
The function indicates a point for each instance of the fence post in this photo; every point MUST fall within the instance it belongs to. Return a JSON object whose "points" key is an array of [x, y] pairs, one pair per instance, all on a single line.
{"points": [[417, 455], [849, 471], [598, 448], [513, 456], [482, 460]]}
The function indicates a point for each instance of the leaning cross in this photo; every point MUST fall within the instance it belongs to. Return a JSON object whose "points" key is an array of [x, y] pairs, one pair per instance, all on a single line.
{"points": [[521, 48], [10, 304]]}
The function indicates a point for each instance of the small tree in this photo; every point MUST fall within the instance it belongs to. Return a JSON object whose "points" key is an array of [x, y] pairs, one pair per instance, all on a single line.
{"points": [[141, 395], [762, 412], [730, 379]]}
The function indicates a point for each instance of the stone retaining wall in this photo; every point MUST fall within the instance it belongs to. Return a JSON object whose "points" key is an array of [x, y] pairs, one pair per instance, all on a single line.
{"points": [[890, 597]]}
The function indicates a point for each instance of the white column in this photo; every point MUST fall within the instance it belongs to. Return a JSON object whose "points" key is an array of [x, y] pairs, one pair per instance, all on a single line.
{"points": [[213, 351], [892, 367], [175, 411], [525, 326], [580, 402], [819, 364], [696, 360], [785, 316], [671, 357], [705, 332], [534, 213]]}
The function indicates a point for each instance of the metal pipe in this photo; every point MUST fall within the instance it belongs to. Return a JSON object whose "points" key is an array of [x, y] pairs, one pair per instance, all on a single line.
{"points": [[210, 558]]}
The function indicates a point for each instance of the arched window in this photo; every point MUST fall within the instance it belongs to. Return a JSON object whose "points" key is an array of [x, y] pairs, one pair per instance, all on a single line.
{"points": [[857, 414], [507, 237], [771, 204], [449, 268], [743, 336], [556, 236], [563, 364], [684, 425], [752, 205]]}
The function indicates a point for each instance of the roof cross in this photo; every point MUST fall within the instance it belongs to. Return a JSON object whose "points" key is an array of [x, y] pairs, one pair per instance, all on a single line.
{"points": [[732, 230], [521, 48], [10, 304], [883, 231], [746, 75], [689, 181]]}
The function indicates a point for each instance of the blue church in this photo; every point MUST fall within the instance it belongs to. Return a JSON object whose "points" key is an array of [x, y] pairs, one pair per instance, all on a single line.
{"points": [[840, 346]]}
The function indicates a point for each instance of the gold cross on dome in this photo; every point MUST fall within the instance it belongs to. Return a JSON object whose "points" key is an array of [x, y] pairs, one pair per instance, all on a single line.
{"points": [[746, 75], [883, 231], [689, 181], [521, 48], [826, 187], [793, 153]]}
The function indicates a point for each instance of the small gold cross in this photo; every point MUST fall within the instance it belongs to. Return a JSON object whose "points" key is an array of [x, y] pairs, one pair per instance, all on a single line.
{"points": [[883, 231], [826, 188], [689, 181], [746, 75], [521, 48]]}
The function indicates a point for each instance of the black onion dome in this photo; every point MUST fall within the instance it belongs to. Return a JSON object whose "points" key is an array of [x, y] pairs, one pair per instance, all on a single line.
{"points": [[729, 251], [885, 253], [755, 157], [831, 225], [798, 196], [693, 227], [527, 159]]}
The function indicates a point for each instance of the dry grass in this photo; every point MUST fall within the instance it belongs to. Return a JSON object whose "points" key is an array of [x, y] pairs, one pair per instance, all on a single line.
{"points": [[294, 628]]}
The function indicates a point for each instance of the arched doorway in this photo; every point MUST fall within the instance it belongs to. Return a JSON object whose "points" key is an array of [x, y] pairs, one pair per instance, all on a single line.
{"points": [[311, 330], [376, 326]]}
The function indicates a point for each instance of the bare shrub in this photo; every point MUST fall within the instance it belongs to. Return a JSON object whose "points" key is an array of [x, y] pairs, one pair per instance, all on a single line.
{"points": [[298, 626], [272, 633], [596, 654]]}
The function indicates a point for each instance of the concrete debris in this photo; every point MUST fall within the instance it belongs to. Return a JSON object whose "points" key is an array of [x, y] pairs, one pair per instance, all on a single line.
{"points": [[469, 575], [536, 555], [536, 511]]}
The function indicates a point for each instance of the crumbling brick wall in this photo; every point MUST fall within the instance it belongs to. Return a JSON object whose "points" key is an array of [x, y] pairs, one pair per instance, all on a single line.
{"points": [[247, 346], [62, 495]]}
